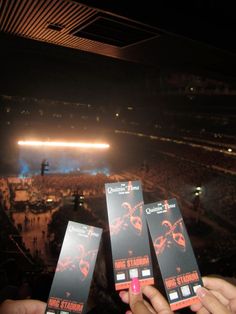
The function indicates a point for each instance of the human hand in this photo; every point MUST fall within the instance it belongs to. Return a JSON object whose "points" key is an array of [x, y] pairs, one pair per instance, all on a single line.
{"points": [[22, 307], [218, 297], [134, 297]]}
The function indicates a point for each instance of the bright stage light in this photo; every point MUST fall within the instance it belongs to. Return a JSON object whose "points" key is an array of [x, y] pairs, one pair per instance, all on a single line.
{"points": [[64, 144]]}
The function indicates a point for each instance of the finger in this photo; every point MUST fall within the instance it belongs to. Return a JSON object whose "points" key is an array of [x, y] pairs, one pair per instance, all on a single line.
{"points": [[158, 301], [149, 307], [217, 284], [196, 307], [34, 307], [233, 306], [210, 302], [7, 307], [220, 297], [203, 310], [23, 307], [124, 295], [139, 307], [136, 301]]}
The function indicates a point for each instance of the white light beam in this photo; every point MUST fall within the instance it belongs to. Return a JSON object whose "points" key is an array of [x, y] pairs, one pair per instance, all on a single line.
{"points": [[64, 144]]}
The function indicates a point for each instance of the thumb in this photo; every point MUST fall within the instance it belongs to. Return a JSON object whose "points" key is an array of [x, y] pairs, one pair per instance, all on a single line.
{"points": [[136, 301], [210, 302]]}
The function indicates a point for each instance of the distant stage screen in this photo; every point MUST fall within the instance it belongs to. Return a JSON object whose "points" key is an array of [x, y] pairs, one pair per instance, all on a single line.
{"points": [[62, 160]]}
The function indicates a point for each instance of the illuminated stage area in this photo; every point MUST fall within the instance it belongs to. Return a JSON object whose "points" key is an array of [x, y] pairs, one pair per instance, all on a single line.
{"points": [[64, 144], [62, 157]]}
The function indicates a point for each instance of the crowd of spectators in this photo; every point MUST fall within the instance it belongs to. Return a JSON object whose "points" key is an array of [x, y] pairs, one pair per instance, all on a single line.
{"points": [[180, 172]]}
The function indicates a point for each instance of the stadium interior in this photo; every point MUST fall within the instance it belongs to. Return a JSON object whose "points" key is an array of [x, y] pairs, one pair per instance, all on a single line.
{"points": [[157, 85]]}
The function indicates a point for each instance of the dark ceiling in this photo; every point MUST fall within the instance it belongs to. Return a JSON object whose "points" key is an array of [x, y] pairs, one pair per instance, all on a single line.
{"points": [[176, 37]]}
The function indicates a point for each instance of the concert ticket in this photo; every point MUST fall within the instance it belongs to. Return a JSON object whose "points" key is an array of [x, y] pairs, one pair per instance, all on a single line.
{"points": [[174, 253], [128, 233], [74, 271]]}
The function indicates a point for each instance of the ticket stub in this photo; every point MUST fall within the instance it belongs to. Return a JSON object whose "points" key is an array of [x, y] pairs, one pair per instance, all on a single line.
{"points": [[128, 233], [174, 253], [74, 271]]}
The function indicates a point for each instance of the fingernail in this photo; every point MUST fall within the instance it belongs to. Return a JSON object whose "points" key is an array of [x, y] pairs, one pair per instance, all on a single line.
{"points": [[135, 286], [201, 292]]}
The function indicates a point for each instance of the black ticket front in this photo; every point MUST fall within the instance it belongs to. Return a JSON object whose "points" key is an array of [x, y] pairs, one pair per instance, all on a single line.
{"points": [[128, 233], [174, 253], [74, 271]]}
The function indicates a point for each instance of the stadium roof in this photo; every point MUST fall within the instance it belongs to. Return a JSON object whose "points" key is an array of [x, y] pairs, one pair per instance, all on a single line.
{"points": [[183, 35], [195, 38]]}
